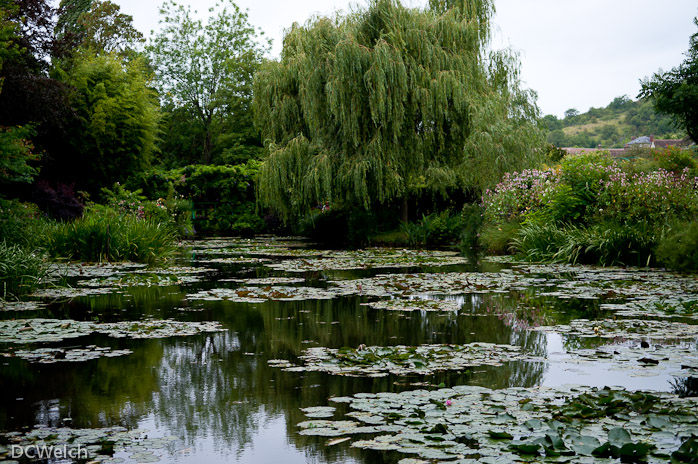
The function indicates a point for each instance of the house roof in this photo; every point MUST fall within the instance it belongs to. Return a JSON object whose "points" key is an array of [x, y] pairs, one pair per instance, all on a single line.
{"points": [[663, 143], [643, 139]]}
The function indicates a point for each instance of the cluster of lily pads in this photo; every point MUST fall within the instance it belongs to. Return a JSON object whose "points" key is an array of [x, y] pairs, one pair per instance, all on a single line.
{"points": [[640, 360], [376, 361], [56, 330], [104, 445], [416, 304], [369, 258], [475, 424], [52, 355], [635, 329], [262, 294]]}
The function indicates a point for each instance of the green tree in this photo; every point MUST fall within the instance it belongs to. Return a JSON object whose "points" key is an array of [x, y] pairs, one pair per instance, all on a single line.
{"points": [[16, 153], [206, 69], [118, 114], [9, 48], [388, 103], [675, 92], [105, 29]]}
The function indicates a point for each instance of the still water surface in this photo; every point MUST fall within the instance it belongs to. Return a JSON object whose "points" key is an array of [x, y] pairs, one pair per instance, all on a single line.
{"points": [[216, 393]]}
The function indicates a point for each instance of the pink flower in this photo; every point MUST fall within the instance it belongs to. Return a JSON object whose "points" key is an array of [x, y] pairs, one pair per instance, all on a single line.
{"points": [[449, 402]]}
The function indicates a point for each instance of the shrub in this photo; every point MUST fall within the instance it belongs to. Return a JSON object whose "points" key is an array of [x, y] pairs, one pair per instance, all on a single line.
{"points": [[434, 230], [497, 238], [584, 173], [471, 219], [656, 197], [247, 222], [678, 249], [518, 194], [59, 200], [21, 270], [218, 193], [173, 213], [20, 223], [104, 235], [675, 159]]}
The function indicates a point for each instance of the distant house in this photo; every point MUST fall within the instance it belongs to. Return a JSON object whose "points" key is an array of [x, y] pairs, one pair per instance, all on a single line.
{"points": [[651, 142], [638, 142], [641, 142]]}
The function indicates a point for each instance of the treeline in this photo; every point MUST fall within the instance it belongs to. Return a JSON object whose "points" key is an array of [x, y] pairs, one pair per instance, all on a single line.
{"points": [[612, 126], [86, 102]]}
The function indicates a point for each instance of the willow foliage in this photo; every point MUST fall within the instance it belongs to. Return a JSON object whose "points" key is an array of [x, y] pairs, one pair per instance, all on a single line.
{"points": [[389, 102]]}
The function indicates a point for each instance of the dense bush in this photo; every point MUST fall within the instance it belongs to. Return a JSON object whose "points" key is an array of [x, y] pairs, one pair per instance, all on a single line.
{"points": [[592, 209], [20, 223], [21, 270], [103, 234], [435, 230], [497, 239], [171, 212], [675, 160], [678, 249], [654, 196], [221, 195], [58, 199]]}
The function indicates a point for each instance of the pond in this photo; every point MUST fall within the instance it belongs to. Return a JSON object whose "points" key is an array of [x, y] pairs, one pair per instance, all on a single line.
{"points": [[268, 350]]}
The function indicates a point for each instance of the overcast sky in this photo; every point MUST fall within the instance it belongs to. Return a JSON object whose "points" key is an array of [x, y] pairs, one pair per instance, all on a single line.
{"points": [[574, 54]]}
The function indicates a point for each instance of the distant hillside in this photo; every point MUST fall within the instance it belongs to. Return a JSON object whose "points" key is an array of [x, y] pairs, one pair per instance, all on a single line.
{"points": [[611, 127]]}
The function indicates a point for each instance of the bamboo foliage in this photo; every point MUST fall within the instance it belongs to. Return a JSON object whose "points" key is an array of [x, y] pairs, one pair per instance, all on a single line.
{"points": [[389, 102]]}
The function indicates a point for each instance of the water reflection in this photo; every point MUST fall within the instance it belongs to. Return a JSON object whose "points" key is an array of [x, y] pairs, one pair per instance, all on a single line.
{"points": [[218, 395]]}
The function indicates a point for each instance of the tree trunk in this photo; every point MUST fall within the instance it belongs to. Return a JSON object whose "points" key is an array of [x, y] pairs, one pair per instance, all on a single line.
{"points": [[404, 210], [206, 155]]}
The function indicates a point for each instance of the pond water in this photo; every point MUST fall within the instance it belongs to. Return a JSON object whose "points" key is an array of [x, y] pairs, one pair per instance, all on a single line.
{"points": [[213, 396]]}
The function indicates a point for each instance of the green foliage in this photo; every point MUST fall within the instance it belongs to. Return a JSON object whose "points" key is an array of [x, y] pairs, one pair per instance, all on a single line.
{"points": [[656, 197], [592, 210], [435, 230], [678, 249], [497, 239], [172, 212], [390, 102], [16, 154], [605, 243], [103, 235], [675, 160], [472, 219], [9, 49], [610, 127], [20, 224], [21, 270], [119, 116], [247, 222], [584, 173], [675, 92], [218, 194], [104, 29], [204, 77]]}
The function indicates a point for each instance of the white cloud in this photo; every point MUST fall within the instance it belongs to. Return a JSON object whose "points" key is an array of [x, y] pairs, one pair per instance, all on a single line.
{"points": [[573, 54]]}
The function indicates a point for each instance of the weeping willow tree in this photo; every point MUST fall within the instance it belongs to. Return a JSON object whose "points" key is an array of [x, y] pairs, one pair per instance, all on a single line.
{"points": [[390, 102]]}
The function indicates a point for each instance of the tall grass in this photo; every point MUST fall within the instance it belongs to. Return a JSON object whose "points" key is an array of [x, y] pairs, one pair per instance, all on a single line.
{"points": [[607, 244], [103, 235], [21, 270]]}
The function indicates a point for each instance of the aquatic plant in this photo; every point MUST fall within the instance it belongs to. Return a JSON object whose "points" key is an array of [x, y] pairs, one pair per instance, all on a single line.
{"points": [[21, 270], [104, 235]]}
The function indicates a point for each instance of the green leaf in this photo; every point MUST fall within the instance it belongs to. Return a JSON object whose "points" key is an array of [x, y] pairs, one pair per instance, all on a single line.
{"points": [[500, 435], [618, 437]]}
